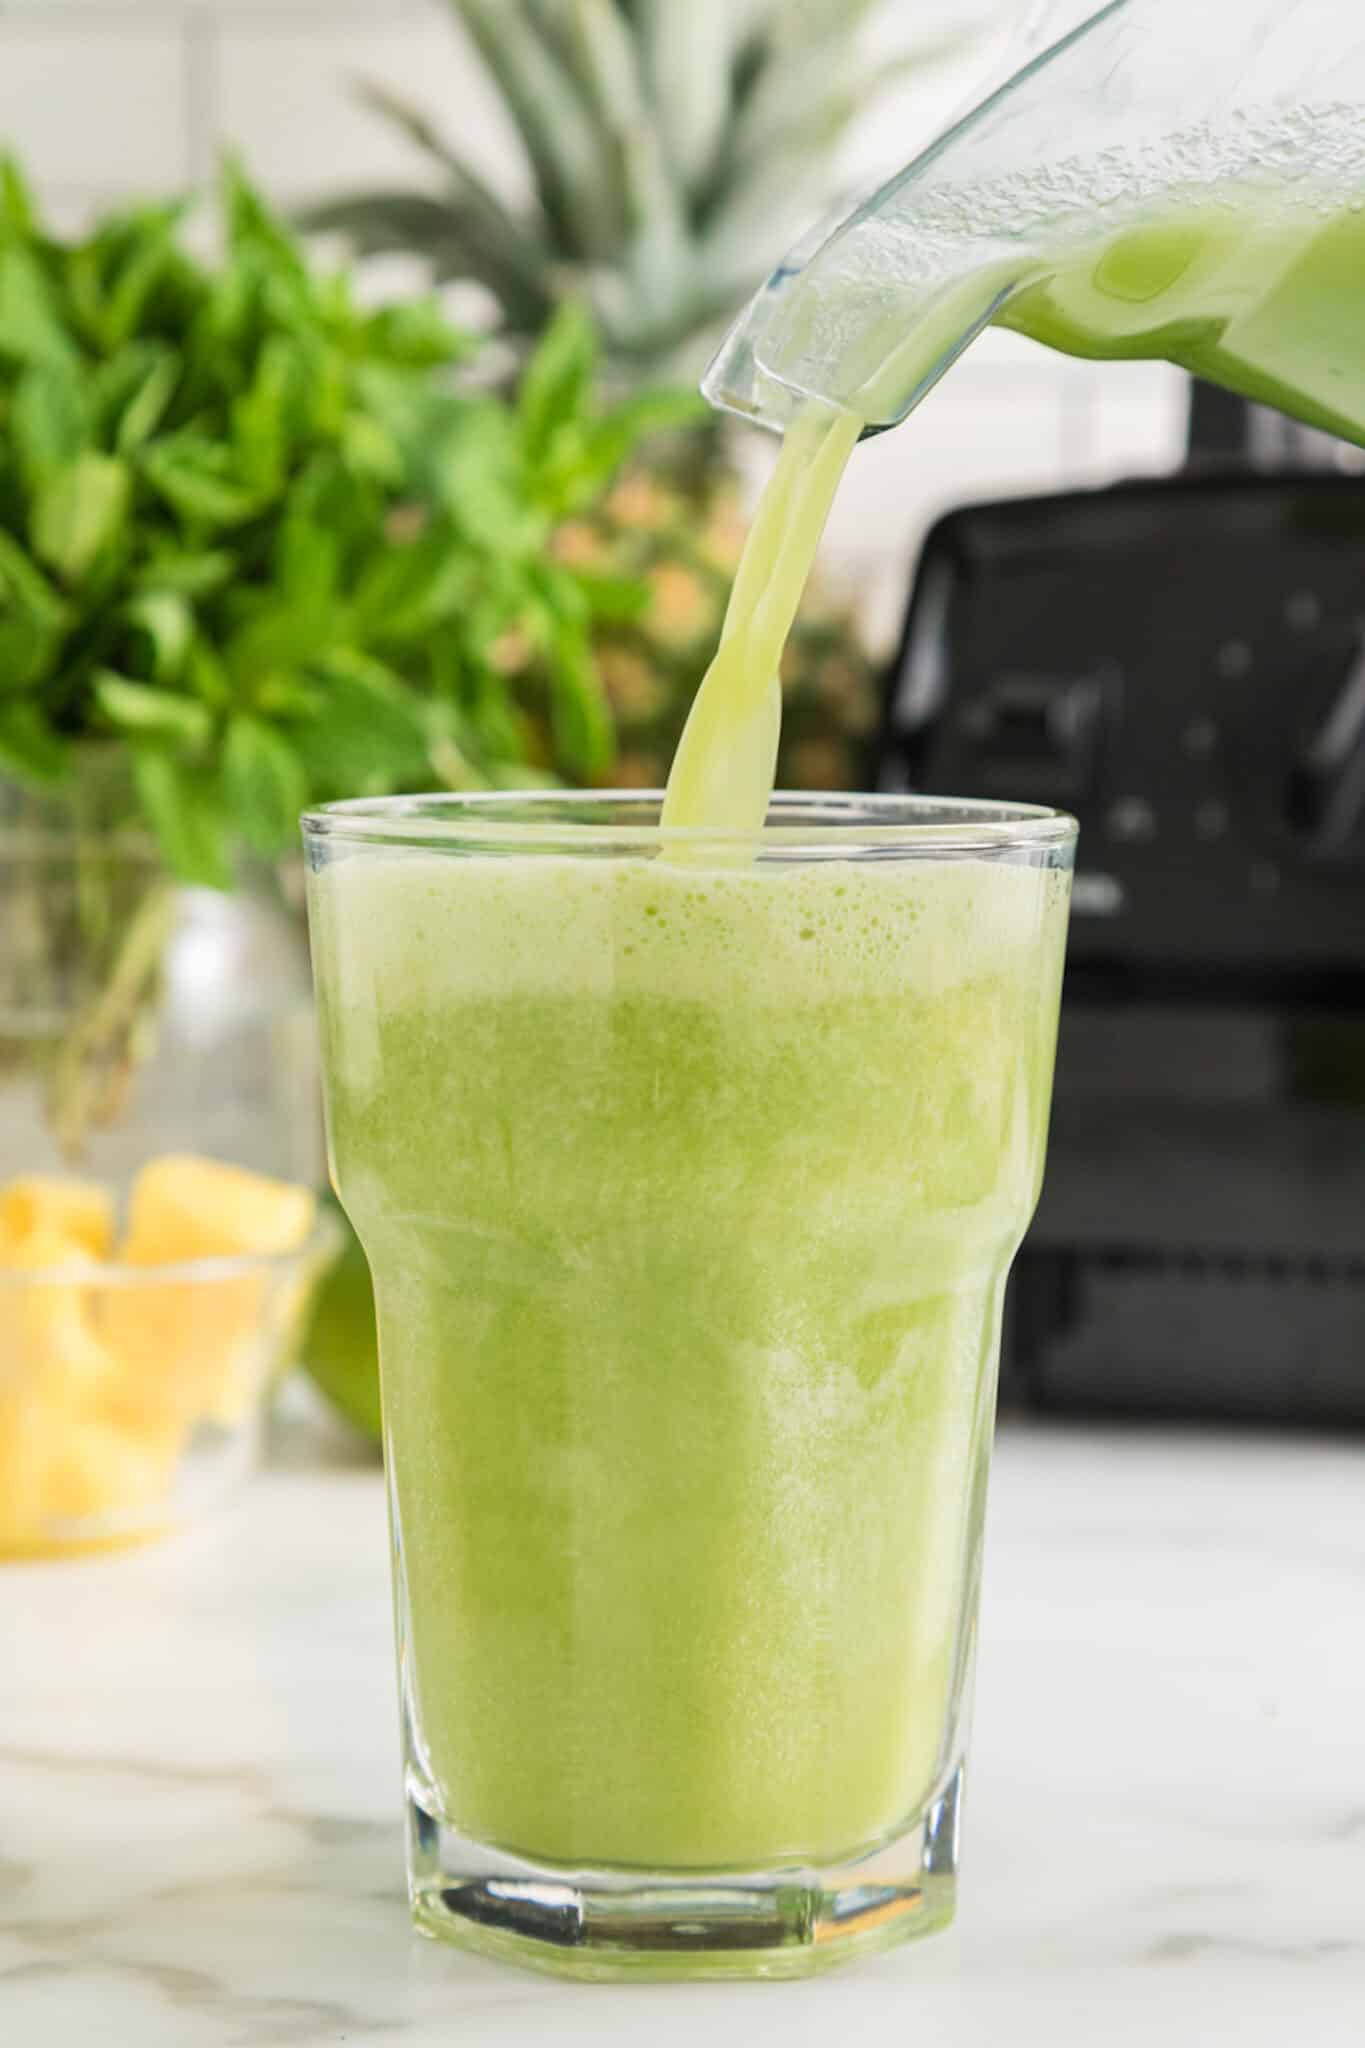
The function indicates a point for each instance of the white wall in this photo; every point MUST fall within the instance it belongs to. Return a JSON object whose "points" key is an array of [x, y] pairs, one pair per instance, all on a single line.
{"points": [[104, 98]]}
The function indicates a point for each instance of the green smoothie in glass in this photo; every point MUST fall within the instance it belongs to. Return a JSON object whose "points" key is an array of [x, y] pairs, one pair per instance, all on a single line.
{"points": [[689, 1188]]}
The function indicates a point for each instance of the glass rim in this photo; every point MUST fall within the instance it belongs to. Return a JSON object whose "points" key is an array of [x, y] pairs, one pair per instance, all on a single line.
{"points": [[819, 824]]}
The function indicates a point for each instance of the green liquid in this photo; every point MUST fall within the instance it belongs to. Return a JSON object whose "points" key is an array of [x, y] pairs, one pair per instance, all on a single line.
{"points": [[722, 773], [689, 1197], [1268, 302]]}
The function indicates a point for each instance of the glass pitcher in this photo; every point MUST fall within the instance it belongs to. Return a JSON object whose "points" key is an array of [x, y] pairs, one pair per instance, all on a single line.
{"points": [[1164, 178]]}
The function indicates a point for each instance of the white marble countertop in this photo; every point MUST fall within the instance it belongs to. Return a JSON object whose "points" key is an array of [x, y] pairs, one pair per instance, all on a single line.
{"points": [[1165, 1839]]}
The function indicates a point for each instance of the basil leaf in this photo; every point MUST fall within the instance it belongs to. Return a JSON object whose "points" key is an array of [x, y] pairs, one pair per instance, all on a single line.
{"points": [[31, 330], [147, 404], [200, 480], [264, 783], [49, 420], [137, 708], [184, 572], [79, 513], [184, 809], [162, 628], [28, 746], [558, 377]]}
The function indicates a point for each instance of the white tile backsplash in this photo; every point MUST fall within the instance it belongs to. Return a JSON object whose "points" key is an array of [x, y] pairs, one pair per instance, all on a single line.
{"points": [[1139, 417], [287, 98], [94, 105]]}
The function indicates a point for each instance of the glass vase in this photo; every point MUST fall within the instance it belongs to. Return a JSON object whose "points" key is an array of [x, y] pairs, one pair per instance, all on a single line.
{"points": [[139, 1017]]}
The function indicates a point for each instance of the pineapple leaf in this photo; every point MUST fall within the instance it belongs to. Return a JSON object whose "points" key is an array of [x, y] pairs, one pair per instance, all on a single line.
{"points": [[811, 21], [547, 19], [551, 20], [509, 253], [807, 100], [657, 256], [425, 135], [658, 263], [523, 312], [455, 240], [605, 62], [569, 157], [381, 223], [761, 212], [803, 94], [688, 53]]}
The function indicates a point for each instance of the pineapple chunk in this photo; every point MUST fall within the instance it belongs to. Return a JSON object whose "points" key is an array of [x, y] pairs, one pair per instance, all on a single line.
{"points": [[181, 1347], [201, 1347], [102, 1375], [49, 1340], [188, 1208], [25, 1449], [43, 1205], [94, 1468]]}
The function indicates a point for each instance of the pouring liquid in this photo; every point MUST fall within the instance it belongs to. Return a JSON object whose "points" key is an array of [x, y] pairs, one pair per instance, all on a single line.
{"points": [[1264, 297], [723, 771]]}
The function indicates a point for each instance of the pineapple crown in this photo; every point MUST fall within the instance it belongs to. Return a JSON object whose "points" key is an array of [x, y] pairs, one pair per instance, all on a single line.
{"points": [[671, 145]]}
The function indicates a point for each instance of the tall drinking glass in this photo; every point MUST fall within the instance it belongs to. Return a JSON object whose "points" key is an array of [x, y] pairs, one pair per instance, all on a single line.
{"points": [[690, 1174]]}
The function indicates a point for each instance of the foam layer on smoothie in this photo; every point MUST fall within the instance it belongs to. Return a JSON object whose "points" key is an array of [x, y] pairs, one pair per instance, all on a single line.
{"points": [[470, 927]]}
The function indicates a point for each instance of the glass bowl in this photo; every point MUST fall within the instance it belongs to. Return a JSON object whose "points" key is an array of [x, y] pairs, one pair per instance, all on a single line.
{"points": [[132, 1398]]}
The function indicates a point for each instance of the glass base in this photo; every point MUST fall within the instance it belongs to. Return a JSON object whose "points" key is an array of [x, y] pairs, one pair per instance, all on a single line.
{"points": [[617, 1923]]}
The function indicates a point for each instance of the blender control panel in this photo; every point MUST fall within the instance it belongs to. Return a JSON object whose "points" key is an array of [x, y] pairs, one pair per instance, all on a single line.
{"points": [[1182, 665]]}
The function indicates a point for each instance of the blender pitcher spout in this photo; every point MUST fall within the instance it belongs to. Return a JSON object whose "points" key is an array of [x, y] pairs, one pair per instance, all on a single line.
{"points": [[756, 371], [1152, 179]]}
